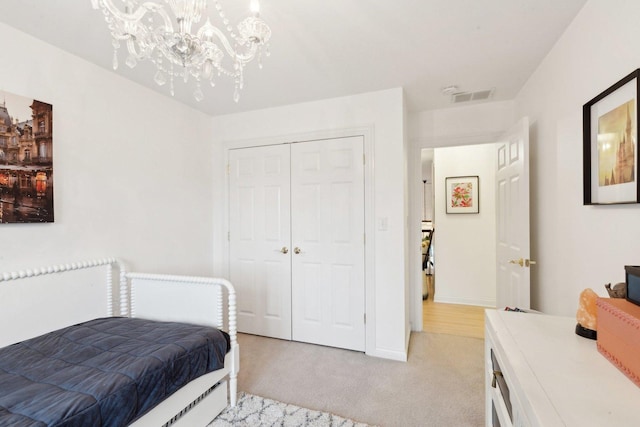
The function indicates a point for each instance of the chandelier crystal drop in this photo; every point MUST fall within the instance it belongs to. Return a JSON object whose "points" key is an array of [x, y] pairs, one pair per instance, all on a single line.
{"points": [[163, 32]]}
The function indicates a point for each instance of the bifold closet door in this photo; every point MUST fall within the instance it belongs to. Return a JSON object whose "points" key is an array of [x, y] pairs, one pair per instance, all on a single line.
{"points": [[327, 239], [260, 233]]}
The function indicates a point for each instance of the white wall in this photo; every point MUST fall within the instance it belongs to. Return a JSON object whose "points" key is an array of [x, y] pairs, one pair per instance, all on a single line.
{"points": [[110, 199], [132, 169], [134, 175], [381, 114], [465, 244], [577, 246], [461, 125]]}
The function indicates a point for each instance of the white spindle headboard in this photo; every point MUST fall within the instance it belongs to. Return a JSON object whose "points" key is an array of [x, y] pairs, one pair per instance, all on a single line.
{"points": [[40, 300]]}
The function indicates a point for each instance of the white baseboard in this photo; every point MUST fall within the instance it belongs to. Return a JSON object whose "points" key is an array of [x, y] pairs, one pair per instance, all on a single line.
{"points": [[383, 353], [406, 340], [491, 303]]}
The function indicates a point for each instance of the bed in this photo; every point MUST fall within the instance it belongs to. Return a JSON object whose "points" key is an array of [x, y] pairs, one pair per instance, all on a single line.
{"points": [[77, 349]]}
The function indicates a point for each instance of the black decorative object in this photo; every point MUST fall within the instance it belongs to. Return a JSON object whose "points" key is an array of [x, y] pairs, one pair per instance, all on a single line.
{"points": [[632, 273], [587, 333]]}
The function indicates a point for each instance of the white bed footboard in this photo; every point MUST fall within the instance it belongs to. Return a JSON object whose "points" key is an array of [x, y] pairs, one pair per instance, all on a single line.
{"points": [[41, 300], [185, 299]]}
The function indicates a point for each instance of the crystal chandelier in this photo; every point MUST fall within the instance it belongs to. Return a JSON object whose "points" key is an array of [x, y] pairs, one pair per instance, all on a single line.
{"points": [[150, 32]]}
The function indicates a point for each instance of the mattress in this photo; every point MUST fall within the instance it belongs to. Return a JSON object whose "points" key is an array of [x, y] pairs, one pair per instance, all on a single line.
{"points": [[103, 373]]}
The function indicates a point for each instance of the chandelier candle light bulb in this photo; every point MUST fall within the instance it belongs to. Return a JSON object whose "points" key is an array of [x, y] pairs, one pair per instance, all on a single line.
{"points": [[147, 30], [255, 7]]}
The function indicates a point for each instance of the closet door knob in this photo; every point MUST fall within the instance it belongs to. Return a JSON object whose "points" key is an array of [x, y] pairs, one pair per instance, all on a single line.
{"points": [[522, 262], [284, 250], [297, 250]]}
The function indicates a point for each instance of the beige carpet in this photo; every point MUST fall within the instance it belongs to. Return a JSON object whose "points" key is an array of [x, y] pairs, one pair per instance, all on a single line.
{"points": [[442, 384]]}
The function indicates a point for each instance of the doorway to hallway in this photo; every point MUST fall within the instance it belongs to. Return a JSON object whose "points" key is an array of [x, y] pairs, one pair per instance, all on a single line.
{"points": [[451, 319]]}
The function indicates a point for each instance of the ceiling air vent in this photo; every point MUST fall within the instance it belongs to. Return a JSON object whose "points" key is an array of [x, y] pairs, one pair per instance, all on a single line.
{"points": [[481, 95]]}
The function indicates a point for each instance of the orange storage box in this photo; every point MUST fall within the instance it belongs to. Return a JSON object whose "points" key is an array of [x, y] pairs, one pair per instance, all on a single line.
{"points": [[619, 335]]}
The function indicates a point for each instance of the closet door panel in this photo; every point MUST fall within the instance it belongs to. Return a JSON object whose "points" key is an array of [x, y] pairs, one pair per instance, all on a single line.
{"points": [[308, 207], [245, 274], [327, 190], [341, 295], [310, 288], [260, 269]]}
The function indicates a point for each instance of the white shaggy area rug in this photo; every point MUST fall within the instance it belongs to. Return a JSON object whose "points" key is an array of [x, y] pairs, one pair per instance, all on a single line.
{"points": [[256, 411]]}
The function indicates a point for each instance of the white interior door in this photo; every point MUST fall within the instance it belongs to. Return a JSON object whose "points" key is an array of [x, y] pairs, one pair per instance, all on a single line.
{"points": [[260, 232], [513, 263], [327, 189]]}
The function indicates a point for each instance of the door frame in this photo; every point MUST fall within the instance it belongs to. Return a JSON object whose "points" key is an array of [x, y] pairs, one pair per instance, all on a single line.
{"points": [[414, 165], [368, 135]]}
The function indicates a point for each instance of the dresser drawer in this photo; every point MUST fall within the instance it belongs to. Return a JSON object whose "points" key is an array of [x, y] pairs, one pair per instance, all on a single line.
{"points": [[499, 381]]}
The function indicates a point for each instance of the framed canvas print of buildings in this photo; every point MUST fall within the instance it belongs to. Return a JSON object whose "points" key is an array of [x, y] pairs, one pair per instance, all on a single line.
{"points": [[26, 160], [610, 152]]}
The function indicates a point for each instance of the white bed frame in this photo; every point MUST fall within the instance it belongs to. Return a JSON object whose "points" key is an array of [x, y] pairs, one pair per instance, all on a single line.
{"points": [[41, 300]]}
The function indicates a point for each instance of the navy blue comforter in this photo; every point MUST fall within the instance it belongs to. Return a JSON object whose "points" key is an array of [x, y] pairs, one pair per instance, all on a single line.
{"points": [[105, 372]]}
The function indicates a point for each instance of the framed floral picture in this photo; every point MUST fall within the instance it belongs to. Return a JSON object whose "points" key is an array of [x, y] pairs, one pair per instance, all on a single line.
{"points": [[462, 193]]}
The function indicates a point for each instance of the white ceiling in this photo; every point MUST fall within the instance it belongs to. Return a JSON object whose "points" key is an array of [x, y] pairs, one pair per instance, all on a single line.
{"points": [[329, 48]]}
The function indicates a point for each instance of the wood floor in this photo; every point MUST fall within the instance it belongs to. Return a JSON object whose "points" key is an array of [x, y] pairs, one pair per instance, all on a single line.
{"points": [[452, 319]]}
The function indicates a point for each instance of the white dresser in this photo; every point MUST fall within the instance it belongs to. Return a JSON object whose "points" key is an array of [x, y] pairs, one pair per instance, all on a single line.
{"points": [[553, 376]]}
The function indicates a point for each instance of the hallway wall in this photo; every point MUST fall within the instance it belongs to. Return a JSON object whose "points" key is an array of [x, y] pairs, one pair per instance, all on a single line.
{"points": [[465, 255]]}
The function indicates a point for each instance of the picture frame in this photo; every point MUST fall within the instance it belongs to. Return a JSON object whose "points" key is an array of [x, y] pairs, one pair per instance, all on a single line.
{"points": [[609, 146], [462, 194], [26, 160]]}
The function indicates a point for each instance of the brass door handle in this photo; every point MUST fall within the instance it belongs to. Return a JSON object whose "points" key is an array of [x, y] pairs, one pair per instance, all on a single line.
{"points": [[522, 262], [284, 250], [297, 250], [496, 374]]}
